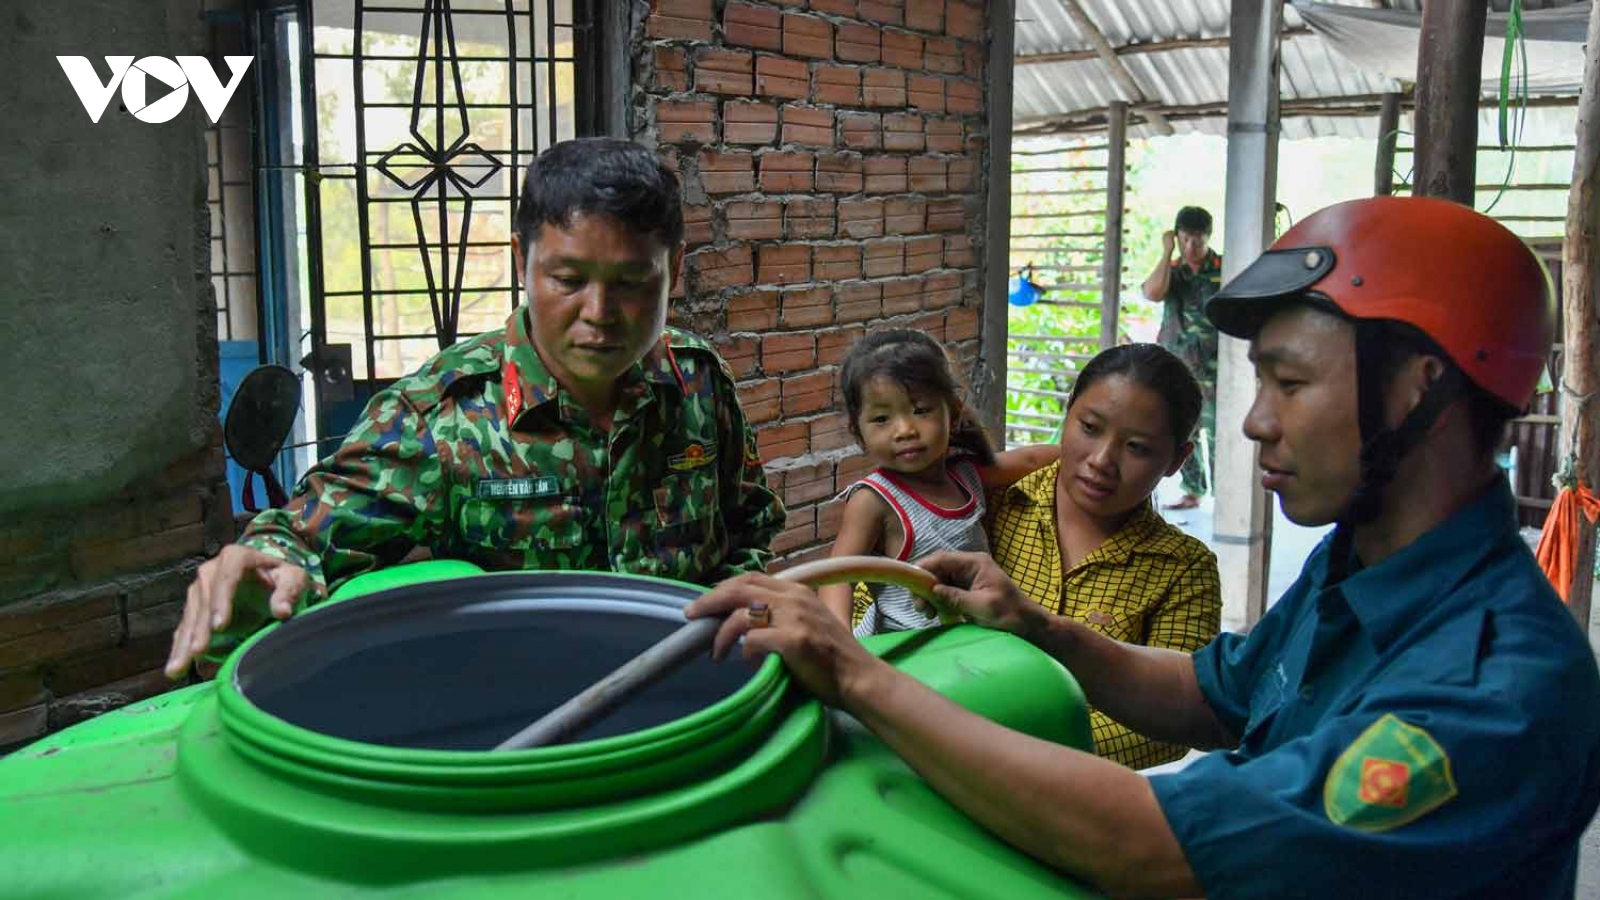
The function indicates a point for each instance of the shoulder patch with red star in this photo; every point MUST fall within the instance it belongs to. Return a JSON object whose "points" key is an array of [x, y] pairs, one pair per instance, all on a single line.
{"points": [[1394, 773]]}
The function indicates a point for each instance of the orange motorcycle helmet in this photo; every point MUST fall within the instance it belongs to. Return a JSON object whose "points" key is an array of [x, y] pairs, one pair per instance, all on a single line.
{"points": [[1457, 275]]}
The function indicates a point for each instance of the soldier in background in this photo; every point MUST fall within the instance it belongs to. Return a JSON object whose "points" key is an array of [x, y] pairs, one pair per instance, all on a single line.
{"points": [[1182, 286], [584, 435]]}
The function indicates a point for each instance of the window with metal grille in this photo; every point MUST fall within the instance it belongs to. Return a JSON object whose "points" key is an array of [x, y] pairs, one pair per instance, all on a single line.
{"points": [[394, 137]]}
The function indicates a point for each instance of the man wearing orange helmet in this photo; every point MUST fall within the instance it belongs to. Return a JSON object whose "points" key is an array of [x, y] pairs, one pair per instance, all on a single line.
{"points": [[1418, 716]]}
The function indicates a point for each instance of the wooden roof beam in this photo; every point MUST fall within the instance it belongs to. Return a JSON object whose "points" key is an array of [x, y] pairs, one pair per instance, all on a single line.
{"points": [[1030, 59], [1108, 54]]}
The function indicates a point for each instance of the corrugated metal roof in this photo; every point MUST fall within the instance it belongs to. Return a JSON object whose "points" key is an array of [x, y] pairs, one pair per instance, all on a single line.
{"points": [[1190, 76]]}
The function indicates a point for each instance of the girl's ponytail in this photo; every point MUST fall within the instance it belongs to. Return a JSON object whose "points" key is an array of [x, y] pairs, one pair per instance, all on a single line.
{"points": [[969, 435]]}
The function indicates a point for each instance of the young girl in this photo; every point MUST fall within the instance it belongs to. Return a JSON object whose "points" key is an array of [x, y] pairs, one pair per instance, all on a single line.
{"points": [[934, 462]]}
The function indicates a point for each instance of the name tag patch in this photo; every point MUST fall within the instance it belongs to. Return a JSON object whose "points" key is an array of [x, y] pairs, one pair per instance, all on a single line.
{"points": [[518, 488], [693, 457]]}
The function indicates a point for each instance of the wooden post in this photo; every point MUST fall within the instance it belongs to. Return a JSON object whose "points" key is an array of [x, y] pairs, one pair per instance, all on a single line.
{"points": [[1449, 70], [989, 376], [1242, 519], [1580, 422], [1388, 135], [1111, 259]]}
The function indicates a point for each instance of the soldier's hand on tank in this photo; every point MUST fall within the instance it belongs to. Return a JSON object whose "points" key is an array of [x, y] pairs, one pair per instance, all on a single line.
{"points": [[819, 650], [975, 586], [236, 574], [1169, 243]]}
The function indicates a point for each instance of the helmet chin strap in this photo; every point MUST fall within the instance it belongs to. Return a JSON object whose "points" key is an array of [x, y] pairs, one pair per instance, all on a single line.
{"points": [[1382, 448]]}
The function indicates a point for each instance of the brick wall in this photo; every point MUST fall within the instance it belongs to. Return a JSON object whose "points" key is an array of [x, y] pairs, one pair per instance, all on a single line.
{"points": [[832, 156]]}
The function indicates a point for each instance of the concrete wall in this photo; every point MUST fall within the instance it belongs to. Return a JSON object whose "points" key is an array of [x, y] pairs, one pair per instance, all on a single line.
{"points": [[109, 459], [832, 155]]}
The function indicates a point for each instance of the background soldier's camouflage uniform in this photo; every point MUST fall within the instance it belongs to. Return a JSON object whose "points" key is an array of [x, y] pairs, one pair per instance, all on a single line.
{"points": [[1191, 337], [675, 489]]}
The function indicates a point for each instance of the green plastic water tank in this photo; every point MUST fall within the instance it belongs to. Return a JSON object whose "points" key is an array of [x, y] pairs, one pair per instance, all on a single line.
{"points": [[346, 752]]}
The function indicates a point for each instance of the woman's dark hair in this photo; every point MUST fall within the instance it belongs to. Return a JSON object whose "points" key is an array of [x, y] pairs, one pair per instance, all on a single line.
{"points": [[917, 363], [1393, 343], [601, 175], [1193, 218], [1154, 367]]}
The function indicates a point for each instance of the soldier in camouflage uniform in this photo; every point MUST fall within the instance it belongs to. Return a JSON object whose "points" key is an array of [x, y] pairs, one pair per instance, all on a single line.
{"points": [[584, 435], [1183, 286]]}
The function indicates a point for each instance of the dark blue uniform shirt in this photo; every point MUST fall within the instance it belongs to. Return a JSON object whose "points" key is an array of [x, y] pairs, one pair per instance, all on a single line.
{"points": [[1428, 729]]}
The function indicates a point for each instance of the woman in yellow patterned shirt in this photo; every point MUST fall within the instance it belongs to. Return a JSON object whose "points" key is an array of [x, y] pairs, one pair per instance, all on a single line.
{"points": [[1080, 536]]}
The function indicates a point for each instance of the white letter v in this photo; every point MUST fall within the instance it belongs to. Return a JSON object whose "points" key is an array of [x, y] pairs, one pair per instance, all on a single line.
{"points": [[208, 87], [91, 92]]}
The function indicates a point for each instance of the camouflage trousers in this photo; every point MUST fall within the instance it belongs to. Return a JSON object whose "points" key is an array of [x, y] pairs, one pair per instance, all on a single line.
{"points": [[1197, 469]]}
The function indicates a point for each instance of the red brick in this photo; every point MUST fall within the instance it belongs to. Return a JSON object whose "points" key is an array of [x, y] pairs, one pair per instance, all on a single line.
{"points": [[807, 484], [808, 125], [62, 642], [861, 131], [786, 171], [829, 516], [858, 43], [799, 530], [858, 301], [761, 400], [925, 92], [781, 441], [22, 618], [697, 224], [883, 12], [754, 220], [669, 72], [942, 55], [972, 60], [902, 131], [724, 71], [22, 687], [947, 215], [788, 352], [93, 562], [902, 49], [958, 251], [688, 20], [24, 724], [807, 36], [783, 264], [753, 311], [751, 122], [835, 7], [853, 468], [752, 26], [963, 175], [885, 175], [963, 98], [963, 20], [885, 257], [924, 253], [837, 262], [928, 174], [830, 433], [722, 267], [961, 325], [779, 77], [883, 87], [740, 353], [860, 218], [808, 394], [809, 218], [839, 173], [902, 296], [686, 120], [807, 308], [726, 173], [941, 290], [930, 323], [834, 343], [839, 85], [903, 215], [925, 15], [944, 135]]}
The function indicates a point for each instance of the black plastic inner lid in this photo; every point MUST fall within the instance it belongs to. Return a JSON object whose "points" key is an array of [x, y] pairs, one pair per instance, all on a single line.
{"points": [[464, 664]]}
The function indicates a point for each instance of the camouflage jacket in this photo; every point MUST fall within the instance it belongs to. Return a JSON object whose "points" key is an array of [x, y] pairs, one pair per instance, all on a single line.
{"points": [[481, 456], [1185, 330]]}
